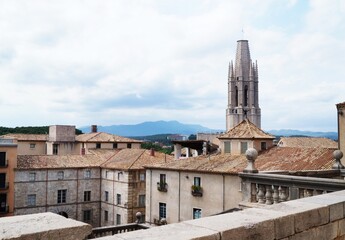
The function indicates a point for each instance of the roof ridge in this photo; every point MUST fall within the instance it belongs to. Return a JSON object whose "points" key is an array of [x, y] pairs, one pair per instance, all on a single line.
{"points": [[250, 127], [137, 159]]}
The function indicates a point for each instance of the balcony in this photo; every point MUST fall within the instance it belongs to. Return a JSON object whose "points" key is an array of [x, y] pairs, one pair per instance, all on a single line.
{"points": [[162, 186], [4, 164], [273, 188], [196, 191], [4, 210], [3, 185], [112, 230]]}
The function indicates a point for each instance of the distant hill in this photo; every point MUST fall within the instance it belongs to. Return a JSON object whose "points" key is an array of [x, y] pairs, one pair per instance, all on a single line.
{"points": [[289, 132], [152, 128]]}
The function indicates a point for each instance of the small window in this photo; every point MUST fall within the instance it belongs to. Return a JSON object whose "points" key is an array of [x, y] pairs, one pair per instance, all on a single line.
{"points": [[197, 181], [55, 149], [32, 177], [87, 196], [60, 175], [142, 176], [142, 200], [106, 196], [118, 199], [263, 146], [129, 145], [87, 173], [61, 197], [114, 145], [106, 215], [196, 213], [119, 175], [98, 145], [118, 219], [162, 178], [31, 200], [32, 145], [162, 210], [227, 147], [3, 159], [87, 214], [244, 147], [107, 174]]}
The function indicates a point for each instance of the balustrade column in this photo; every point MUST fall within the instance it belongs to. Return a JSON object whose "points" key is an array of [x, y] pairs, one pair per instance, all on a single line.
{"points": [[275, 195], [269, 195], [261, 194], [283, 194]]}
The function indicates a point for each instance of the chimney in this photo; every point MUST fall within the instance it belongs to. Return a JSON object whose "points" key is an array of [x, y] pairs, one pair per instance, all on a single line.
{"points": [[93, 128], [152, 152]]}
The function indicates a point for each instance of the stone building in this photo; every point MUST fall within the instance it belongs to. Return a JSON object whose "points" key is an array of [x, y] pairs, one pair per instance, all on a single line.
{"points": [[341, 127], [102, 187], [207, 185], [243, 89], [29, 144], [8, 161]]}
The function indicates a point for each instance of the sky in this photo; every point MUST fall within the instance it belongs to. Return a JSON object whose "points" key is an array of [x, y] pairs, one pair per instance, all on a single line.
{"points": [[113, 62]]}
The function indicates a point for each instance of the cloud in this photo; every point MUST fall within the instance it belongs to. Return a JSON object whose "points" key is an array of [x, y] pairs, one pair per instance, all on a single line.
{"points": [[119, 62]]}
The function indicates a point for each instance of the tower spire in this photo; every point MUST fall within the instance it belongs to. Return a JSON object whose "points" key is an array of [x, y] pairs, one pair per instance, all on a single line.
{"points": [[243, 89]]}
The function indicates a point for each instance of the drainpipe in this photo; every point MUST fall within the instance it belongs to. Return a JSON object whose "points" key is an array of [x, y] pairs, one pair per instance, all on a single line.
{"points": [[179, 196], [150, 196]]}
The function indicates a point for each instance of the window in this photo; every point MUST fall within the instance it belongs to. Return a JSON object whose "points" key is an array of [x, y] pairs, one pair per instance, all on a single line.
{"points": [[87, 173], [61, 198], [197, 181], [244, 147], [106, 196], [227, 147], [141, 200], [246, 95], [142, 176], [118, 199], [87, 215], [119, 175], [31, 200], [263, 146], [107, 174], [162, 178], [118, 219], [3, 159], [114, 145], [236, 96], [87, 196], [32, 145], [162, 210], [3, 184], [32, 176], [196, 213], [98, 145], [55, 149], [129, 145], [106, 215], [60, 175]]}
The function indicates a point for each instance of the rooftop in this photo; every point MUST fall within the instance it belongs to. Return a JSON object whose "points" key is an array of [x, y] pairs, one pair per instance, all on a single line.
{"points": [[307, 142], [26, 137], [103, 137], [274, 159], [246, 130]]}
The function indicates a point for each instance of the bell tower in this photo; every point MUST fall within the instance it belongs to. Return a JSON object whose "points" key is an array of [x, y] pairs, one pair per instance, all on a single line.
{"points": [[243, 89]]}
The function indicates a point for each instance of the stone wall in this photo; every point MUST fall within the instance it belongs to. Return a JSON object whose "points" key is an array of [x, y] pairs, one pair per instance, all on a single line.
{"points": [[318, 217], [42, 226]]}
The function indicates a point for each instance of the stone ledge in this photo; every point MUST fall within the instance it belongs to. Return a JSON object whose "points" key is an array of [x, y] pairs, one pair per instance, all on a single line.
{"points": [[43, 226]]}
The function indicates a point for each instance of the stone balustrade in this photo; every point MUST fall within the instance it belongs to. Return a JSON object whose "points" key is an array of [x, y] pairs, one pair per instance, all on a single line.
{"points": [[112, 230]]}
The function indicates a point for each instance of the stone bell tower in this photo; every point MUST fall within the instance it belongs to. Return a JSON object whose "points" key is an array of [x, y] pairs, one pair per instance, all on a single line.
{"points": [[243, 89]]}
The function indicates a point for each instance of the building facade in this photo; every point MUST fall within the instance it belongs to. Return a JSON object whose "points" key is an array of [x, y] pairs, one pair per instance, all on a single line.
{"points": [[243, 89], [8, 161]]}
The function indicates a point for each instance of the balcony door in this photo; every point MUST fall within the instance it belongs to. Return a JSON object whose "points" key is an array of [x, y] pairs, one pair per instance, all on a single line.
{"points": [[3, 204], [2, 180]]}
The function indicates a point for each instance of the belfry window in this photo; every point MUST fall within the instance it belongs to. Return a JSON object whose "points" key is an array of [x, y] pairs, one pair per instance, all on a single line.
{"points": [[236, 96], [246, 95]]}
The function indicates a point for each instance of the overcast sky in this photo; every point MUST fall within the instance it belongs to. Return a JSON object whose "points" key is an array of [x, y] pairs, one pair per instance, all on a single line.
{"points": [[125, 62]]}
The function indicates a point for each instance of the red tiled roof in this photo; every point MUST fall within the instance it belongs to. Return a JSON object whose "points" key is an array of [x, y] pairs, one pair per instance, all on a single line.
{"points": [[26, 137], [246, 130], [103, 137], [307, 142]]}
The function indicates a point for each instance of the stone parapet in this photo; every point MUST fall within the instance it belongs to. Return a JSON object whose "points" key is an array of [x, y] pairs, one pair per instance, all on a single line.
{"points": [[318, 217], [43, 226]]}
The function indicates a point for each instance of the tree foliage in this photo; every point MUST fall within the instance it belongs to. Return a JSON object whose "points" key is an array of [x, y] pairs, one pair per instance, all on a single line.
{"points": [[29, 130]]}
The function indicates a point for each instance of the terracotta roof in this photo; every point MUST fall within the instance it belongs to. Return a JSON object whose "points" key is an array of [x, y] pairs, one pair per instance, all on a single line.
{"points": [[307, 142], [55, 161], [103, 137], [26, 137], [135, 159], [274, 159], [246, 130]]}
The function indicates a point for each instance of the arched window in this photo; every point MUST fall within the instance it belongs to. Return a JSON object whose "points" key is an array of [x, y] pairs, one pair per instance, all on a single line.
{"points": [[236, 96], [246, 95]]}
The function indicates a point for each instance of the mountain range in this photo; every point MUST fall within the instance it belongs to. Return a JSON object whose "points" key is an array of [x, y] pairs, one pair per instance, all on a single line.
{"points": [[175, 127]]}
